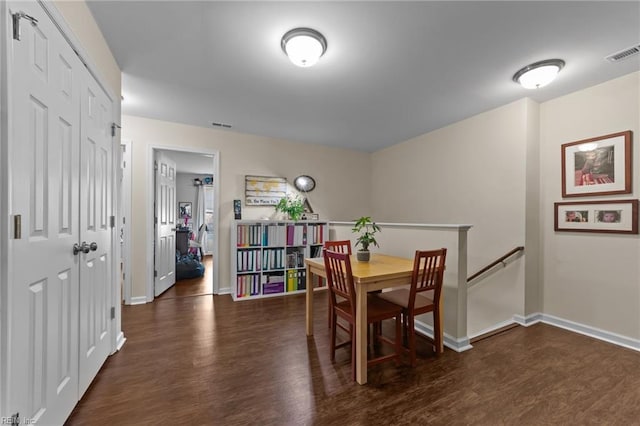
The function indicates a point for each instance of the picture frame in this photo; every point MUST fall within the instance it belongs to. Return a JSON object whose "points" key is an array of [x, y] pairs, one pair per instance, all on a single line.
{"points": [[597, 166], [611, 216], [184, 210]]}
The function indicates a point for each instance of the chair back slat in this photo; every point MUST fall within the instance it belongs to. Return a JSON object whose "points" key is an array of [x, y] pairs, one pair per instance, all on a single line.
{"points": [[428, 273], [339, 276], [340, 246]]}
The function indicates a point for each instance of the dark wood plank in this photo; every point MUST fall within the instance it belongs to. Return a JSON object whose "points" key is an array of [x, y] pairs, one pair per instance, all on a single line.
{"points": [[192, 286], [207, 360]]}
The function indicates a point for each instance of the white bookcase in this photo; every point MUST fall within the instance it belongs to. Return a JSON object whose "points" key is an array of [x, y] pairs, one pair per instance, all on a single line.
{"points": [[267, 257]]}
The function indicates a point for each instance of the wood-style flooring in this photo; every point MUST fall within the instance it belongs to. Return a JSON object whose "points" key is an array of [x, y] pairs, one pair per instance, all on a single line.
{"points": [[207, 360], [192, 286]]}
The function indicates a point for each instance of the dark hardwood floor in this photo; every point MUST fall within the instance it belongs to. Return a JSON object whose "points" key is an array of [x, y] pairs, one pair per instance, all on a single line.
{"points": [[192, 286], [206, 360]]}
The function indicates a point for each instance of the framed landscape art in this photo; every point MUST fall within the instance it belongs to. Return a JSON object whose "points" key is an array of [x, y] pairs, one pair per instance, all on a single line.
{"points": [[597, 166]]}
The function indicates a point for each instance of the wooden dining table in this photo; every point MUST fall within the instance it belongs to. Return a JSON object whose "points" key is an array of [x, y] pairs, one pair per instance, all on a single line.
{"points": [[381, 271]]}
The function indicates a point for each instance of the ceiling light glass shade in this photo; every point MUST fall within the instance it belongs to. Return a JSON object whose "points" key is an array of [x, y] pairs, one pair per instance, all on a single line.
{"points": [[539, 74], [304, 46]]}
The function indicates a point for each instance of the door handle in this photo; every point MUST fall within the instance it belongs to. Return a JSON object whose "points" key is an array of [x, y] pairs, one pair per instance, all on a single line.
{"points": [[84, 248], [93, 246]]}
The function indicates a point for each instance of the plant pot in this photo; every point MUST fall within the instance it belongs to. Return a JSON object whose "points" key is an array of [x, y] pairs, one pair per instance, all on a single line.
{"points": [[363, 255]]}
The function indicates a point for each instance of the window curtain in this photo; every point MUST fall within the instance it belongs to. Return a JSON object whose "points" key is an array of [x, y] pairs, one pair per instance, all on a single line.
{"points": [[198, 211], [198, 233]]}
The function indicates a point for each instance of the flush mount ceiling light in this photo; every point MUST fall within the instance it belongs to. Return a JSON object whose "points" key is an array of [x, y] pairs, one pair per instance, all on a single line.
{"points": [[303, 46], [538, 74]]}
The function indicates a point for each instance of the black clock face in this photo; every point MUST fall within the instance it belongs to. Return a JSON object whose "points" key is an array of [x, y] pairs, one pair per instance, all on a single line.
{"points": [[304, 183]]}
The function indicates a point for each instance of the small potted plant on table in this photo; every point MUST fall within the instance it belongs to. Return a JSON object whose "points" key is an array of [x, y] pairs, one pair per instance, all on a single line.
{"points": [[367, 229]]}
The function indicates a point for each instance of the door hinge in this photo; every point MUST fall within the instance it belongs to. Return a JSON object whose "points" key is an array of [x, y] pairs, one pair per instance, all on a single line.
{"points": [[113, 312], [113, 221], [17, 227], [15, 419], [16, 23], [155, 274], [155, 165], [114, 126]]}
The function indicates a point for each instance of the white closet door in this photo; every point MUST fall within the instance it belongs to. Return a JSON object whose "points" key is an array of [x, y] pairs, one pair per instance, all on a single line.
{"points": [[43, 286], [165, 257], [96, 145]]}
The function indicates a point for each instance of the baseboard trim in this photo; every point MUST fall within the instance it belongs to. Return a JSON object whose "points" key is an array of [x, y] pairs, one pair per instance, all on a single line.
{"points": [[139, 300], [492, 331], [458, 345], [120, 341], [596, 333], [225, 290]]}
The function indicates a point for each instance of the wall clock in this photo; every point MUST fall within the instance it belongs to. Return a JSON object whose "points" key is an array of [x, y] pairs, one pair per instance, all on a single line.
{"points": [[304, 183]]}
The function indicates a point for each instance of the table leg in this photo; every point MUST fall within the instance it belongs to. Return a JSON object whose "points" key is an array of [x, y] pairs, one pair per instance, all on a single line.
{"points": [[361, 335], [309, 299]]}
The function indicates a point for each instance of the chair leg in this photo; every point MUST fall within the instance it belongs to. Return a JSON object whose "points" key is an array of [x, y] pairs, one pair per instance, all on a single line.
{"points": [[412, 341], [332, 325], [437, 331], [398, 340]]}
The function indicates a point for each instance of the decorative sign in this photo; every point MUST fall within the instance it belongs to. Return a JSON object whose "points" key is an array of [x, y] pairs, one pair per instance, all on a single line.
{"points": [[264, 190]]}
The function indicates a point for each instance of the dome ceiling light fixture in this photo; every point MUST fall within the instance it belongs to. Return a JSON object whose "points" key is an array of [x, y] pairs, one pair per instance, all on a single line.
{"points": [[304, 46], [538, 74]]}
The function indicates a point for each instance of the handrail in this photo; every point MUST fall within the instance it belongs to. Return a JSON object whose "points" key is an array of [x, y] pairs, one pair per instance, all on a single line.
{"points": [[492, 264]]}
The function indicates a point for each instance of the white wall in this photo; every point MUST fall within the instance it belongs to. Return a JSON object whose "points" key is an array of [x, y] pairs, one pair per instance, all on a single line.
{"points": [[591, 279], [342, 191], [472, 172]]}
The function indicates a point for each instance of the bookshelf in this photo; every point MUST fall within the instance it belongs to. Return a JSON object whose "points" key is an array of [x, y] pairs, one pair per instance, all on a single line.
{"points": [[267, 257]]}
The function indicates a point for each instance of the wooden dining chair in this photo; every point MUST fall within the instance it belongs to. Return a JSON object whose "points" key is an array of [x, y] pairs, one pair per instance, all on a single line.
{"points": [[340, 282], [340, 246], [421, 297]]}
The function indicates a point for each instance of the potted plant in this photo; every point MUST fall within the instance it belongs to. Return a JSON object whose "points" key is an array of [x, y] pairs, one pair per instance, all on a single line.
{"points": [[367, 229], [293, 207]]}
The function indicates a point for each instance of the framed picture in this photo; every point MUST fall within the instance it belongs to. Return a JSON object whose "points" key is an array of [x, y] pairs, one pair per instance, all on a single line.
{"points": [[597, 166], [184, 210], [264, 190], [620, 216]]}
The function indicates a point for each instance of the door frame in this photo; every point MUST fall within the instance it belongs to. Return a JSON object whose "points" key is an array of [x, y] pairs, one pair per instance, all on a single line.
{"points": [[125, 213], [150, 211], [5, 95]]}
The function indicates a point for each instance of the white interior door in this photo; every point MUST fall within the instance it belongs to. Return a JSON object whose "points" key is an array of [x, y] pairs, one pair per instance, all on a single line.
{"points": [[95, 229], [44, 161], [165, 247]]}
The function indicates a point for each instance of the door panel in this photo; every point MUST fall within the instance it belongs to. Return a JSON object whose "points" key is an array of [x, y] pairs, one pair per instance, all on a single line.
{"points": [[95, 201], [165, 257], [44, 160]]}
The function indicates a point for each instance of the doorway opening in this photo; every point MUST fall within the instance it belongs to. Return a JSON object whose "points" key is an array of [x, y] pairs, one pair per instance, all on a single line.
{"points": [[194, 207]]}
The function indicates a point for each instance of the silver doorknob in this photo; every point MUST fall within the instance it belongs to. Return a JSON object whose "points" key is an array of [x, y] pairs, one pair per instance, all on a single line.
{"points": [[84, 248], [93, 246]]}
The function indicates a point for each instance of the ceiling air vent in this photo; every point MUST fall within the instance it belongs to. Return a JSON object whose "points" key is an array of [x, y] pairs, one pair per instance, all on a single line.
{"points": [[623, 54], [224, 125]]}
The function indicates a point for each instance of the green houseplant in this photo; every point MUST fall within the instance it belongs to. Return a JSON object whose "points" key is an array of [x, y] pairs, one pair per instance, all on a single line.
{"points": [[366, 228], [293, 207]]}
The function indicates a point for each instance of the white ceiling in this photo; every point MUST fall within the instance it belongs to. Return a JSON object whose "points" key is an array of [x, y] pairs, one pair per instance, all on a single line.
{"points": [[392, 70]]}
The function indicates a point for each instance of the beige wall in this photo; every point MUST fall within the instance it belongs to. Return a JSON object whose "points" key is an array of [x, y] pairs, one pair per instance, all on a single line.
{"points": [[472, 172], [84, 27], [591, 279], [342, 191]]}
